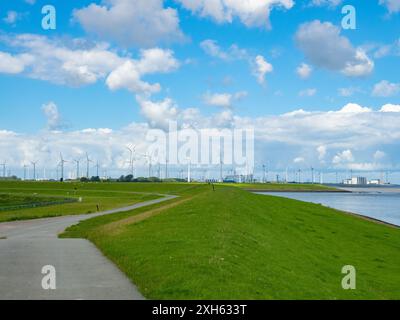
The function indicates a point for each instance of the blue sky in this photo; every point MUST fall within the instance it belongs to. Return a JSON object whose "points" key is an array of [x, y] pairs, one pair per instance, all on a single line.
{"points": [[224, 80]]}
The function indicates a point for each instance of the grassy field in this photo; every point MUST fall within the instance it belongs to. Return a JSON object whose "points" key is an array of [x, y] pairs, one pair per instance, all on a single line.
{"points": [[9, 201], [232, 244], [91, 195]]}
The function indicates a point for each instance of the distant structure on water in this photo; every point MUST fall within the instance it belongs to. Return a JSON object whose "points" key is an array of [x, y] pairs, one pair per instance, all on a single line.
{"points": [[362, 181]]}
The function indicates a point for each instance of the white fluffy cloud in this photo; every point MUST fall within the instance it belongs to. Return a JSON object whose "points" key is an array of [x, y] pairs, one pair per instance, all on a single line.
{"points": [[390, 108], [138, 23], [12, 64], [158, 114], [386, 89], [379, 155], [224, 100], [354, 108], [343, 157], [77, 63], [50, 110], [252, 13], [304, 71], [261, 68], [128, 75], [393, 6], [324, 47], [211, 48]]}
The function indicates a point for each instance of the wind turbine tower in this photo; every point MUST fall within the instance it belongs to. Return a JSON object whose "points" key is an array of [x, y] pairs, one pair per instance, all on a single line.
{"points": [[263, 166], [4, 169], [148, 157], [97, 168], [34, 169], [312, 175], [77, 161], [25, 166], [62, 161], [87, 165], [131, 159], [189, 165]]}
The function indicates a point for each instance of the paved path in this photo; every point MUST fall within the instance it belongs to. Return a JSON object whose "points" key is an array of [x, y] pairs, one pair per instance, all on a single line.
{"points": [[82, 272]]}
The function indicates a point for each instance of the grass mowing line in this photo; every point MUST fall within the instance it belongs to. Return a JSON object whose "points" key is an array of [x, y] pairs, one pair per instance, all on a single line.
{"points": [[87, 206], [115, 227]]}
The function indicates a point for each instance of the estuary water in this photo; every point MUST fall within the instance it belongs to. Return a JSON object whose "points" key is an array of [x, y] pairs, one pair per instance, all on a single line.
{"points": [[378, 203]]}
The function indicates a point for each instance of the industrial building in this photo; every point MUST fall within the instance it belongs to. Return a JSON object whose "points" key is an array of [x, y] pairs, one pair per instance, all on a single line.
{"points": [[356, 181]]}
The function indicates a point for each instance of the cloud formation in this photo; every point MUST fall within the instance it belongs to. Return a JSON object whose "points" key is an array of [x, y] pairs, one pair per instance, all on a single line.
{"points": [[77, 62], [224, 100], [261, 68], [252, 13], [324, 47], [386, 89], [304, 71], [348, 138], [128, 75], [212, 48], [54, 121], [139, 23]]}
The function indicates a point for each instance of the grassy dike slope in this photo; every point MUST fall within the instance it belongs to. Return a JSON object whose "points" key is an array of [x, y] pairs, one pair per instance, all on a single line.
{"points": [[231, 244], [287, 187]]}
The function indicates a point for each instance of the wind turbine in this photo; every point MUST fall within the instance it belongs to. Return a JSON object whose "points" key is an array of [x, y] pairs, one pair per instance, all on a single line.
{"points": [[312, 175], [166, 168], [87, 165], [25, 166], [4, 168], [221, 178], [263, 166], [148, 157], [34, 169], [189, 163], [131, 158], [77, 161], [97, 168], [62, 161]]}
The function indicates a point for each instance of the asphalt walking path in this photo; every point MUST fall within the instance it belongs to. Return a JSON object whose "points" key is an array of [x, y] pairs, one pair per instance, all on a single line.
{"points": [[82, 272]]}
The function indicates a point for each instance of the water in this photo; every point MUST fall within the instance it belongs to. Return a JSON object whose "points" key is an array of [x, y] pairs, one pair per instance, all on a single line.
{"points": [[382, 204]]}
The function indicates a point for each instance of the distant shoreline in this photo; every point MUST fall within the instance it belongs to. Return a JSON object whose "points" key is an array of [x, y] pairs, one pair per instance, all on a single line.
{"points": [[362, 216]]}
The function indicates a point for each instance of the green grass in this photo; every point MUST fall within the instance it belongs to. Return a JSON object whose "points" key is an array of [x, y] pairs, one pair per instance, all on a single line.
{"points": [[8, 201], [232, 244], [107, 197], [290, 187]]}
